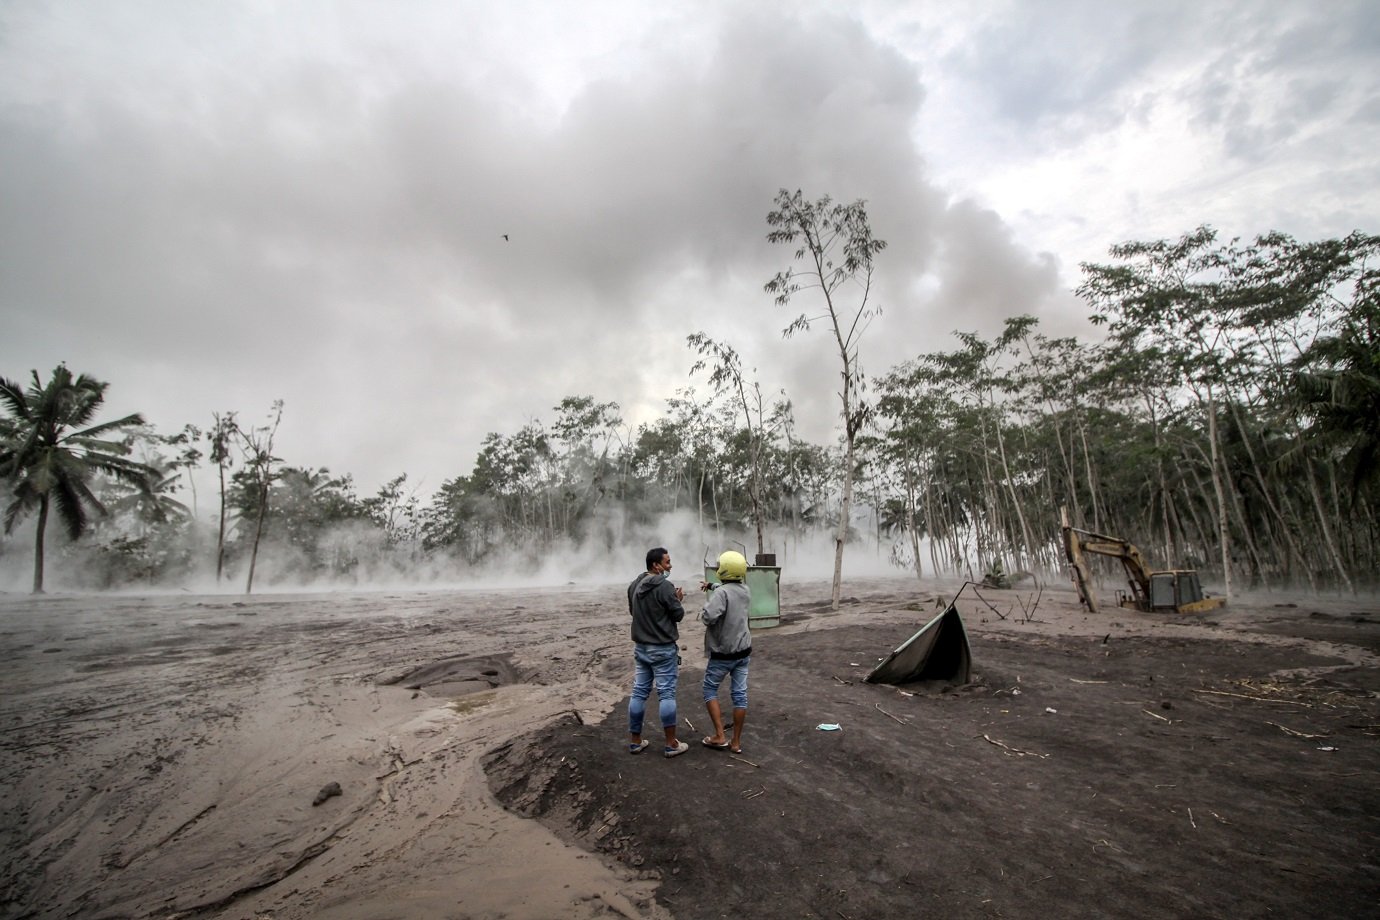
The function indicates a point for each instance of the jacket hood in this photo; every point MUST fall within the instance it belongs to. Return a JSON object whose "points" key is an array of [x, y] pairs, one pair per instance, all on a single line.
{"points": [[649, 584]]}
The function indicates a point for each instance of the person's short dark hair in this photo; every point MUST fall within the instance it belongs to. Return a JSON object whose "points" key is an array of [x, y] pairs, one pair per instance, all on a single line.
{"points": [[655, 555]]}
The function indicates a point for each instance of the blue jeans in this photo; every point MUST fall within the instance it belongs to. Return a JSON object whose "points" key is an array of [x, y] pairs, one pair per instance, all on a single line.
{"points": [[659, 663], [716, 670]]}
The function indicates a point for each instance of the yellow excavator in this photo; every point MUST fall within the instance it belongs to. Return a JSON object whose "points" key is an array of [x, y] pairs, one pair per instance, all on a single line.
{"points": [[1176, 590]]}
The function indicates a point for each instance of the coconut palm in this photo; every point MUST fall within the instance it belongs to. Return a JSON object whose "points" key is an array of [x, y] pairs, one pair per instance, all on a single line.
{"points": [[1338, 383], [154, 505], [48, 454]]}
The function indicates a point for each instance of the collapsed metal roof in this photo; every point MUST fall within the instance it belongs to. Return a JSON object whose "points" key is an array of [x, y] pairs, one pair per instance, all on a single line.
{"points": [[939, 651]]}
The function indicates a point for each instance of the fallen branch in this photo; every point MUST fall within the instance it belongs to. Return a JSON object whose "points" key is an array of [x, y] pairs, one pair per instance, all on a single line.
{"points": [[981, 598], [889, 715], [1258, 699], [1077, 681], [1290, 731], [1017, 751], [1157, 716], [745, 760], [846, 683], [689, 723], [1029, 613]]}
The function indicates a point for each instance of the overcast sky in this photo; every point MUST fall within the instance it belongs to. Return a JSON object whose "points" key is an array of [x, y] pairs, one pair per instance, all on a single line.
{"points": [[213, 205]]}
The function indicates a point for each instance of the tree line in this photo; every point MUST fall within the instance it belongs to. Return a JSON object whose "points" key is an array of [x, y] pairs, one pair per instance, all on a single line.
{"points": [[1227, 418]]}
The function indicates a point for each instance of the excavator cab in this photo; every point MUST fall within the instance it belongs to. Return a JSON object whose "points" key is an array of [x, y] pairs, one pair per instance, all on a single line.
{"points": [[1174, 589]]}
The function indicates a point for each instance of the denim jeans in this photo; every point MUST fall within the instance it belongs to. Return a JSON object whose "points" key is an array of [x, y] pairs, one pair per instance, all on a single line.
{"points": [[716, 670], [659, 664]]}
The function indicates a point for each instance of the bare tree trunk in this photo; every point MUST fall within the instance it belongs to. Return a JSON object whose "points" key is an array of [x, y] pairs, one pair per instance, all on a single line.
{"points": [[220, 530], [845, 506], [1066, 458], [934, 526], [990, 493], [1021, 561], [1223, 525], [910, 517], [1172, 522], [38, 543], [700, 500], [1097, 503], [258, 533], [1218, 465], [1328, 540], [718, 523], [219, 451], [1202, 532], [1162, 485], [1293, 549]]}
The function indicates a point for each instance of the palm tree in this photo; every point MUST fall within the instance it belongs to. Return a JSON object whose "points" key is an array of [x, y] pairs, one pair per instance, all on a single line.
{"points": [[154, 505], [46, 463], [1338, 383]]}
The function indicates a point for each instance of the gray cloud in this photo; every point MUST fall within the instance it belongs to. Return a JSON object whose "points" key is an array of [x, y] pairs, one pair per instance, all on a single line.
{"points": [[213, 207]]}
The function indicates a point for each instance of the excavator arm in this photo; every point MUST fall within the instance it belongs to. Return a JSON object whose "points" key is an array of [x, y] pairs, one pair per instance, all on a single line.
{"points": [[1079, 543]]}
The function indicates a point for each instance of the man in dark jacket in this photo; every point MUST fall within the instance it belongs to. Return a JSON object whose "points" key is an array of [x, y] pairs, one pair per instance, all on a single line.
{"points": [[655, 605]]}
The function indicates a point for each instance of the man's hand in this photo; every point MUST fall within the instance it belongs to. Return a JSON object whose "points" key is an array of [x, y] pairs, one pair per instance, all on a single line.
{"points": [[680, 594]]}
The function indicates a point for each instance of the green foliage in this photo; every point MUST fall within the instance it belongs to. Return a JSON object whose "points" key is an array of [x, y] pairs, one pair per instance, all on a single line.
{"points": [[1337, 377], [50, 452]]}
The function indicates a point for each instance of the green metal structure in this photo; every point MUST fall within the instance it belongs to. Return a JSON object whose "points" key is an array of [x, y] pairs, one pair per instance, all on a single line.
{"points": [[764, 583]]}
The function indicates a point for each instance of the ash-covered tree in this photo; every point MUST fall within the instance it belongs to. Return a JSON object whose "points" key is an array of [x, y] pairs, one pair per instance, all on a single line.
{"points": [[256, 448], [834, 254], [703, 427], [221, 437], [49, 452], [396, 510], [726, 376], [309, 508], [1234, 319], [579, 452], [659, 460]]}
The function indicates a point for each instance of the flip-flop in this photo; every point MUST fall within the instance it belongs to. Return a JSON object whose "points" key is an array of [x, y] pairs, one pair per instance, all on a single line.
{"points": [[710, 744], [639, 747]]}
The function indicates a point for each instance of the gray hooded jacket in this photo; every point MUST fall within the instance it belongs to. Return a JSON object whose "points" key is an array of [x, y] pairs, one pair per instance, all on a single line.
{"points": [[725, 617], [655, 610]]}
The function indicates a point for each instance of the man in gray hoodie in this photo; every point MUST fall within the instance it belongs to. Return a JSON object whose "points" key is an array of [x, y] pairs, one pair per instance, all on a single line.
{"points": [[655, 606]]}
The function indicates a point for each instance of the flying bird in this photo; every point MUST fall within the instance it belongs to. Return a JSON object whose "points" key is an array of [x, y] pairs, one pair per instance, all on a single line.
{"points": [[505, 237]]}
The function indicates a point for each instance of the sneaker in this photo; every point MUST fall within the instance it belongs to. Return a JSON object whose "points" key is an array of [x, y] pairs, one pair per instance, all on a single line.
{"points": [[680, 748], [639, 747]]}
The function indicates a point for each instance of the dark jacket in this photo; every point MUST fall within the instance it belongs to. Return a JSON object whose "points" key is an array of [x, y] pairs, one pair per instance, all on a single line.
{"points": [[655, 610]]}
